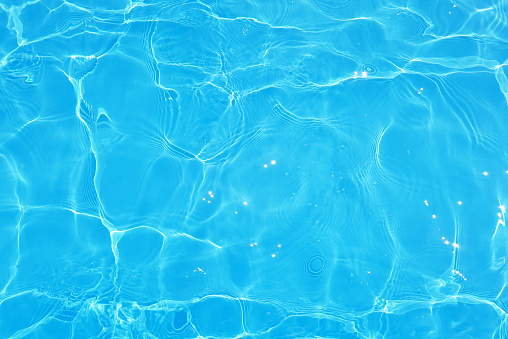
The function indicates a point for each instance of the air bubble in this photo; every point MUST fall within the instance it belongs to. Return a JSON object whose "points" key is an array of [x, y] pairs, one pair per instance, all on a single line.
{"points": [[392, 224], [499, 263], [315, 266], [369, 69]]}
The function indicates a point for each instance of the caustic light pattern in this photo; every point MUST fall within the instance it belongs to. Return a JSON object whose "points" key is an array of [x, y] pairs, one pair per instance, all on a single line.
{"points": [[253, 169]]}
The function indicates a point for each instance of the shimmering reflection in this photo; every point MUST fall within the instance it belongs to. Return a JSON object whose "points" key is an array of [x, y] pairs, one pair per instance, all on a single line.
{"points": [[269, 169]]}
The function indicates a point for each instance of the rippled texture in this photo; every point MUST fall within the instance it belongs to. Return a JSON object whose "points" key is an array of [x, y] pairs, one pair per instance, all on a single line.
{"points": [[268, 169]]}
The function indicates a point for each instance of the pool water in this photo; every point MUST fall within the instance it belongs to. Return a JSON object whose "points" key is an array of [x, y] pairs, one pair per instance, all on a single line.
{"points": [[253, 169]]}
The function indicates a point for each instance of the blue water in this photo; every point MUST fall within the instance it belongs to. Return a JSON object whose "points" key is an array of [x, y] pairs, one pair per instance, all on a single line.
{"points": [[253, 169]]}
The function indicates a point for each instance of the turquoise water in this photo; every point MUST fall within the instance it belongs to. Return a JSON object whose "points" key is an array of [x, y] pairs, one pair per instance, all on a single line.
{"points": [[253, 169]]}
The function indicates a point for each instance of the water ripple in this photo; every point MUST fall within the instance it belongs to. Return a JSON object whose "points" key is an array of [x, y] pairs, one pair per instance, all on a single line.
{"points": [[253, 169]]}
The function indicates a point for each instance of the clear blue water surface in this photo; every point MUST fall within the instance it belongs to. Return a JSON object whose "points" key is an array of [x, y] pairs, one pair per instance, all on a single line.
{"points": [[253, 169]]}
